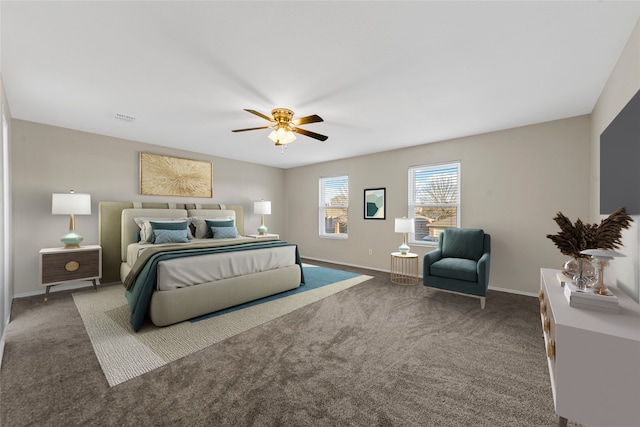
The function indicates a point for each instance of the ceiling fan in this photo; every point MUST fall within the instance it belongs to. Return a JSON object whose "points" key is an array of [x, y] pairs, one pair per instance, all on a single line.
{"points": [[285, 126]]}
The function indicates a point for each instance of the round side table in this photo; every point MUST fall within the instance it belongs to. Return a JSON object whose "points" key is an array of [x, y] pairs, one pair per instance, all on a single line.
{"points": [[404, 268]]}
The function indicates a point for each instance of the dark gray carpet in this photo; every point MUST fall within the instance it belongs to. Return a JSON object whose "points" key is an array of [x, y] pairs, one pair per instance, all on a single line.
{"points": [[377, 354]]}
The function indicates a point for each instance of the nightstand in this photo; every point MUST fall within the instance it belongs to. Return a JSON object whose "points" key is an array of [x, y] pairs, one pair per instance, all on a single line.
{"points": [[59, 265]]}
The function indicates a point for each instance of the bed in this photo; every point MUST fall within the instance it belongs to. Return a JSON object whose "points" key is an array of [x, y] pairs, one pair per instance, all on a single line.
{"points": [[169, 280]]}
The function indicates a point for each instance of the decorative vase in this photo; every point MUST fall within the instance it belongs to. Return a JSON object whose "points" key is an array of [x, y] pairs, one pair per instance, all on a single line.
{"points": [[581, 271]]}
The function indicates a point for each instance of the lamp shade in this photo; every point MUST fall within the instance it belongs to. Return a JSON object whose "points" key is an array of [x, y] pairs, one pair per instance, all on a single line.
{"points": [[71, 204], [262, 207], [404, 225]]}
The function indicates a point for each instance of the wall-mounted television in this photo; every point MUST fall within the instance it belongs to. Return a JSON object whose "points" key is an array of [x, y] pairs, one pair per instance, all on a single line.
{"points": [[620, 161]]}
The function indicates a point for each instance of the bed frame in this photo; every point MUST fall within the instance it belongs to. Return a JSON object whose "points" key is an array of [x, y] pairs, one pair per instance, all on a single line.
{"points": [[168, 307], [110, 225]]}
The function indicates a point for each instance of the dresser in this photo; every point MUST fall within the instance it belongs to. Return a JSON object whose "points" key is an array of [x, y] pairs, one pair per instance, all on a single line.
{"points": [[593, 358]]}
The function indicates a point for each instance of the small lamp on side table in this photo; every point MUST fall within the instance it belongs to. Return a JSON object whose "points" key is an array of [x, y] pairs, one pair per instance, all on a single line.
{"points": [[71, 204], [404, 225], [603, 256], [262, 208]]}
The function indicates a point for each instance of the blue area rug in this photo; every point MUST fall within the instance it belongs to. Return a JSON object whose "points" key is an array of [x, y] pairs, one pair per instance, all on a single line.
{"points": [[314, 277]]}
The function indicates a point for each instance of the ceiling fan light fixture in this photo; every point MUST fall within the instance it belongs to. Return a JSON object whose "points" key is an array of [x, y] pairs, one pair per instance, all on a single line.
{"points": [[282, 136], [284, 128], [289, 137]]}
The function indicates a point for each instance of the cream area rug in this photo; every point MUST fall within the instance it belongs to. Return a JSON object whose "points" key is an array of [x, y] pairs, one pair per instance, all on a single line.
{"points": [[124, 354]]}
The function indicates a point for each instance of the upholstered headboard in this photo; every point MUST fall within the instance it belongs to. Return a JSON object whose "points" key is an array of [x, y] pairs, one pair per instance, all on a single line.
{"points": [[111, 229]]}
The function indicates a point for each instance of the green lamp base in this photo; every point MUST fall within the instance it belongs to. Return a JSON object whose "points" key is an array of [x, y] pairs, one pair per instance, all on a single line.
{"points": [[404, 248], [71, 240], [262, 230]]}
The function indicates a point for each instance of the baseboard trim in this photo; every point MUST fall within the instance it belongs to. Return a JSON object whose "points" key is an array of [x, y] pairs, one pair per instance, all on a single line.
{"points": [[493, 288], [2, 339], [513, 291], [57, 288], [347, 264], [1, 349]]}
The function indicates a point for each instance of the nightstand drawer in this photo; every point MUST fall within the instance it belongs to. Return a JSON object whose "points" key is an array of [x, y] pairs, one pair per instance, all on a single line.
{"points": [[68, 266]]}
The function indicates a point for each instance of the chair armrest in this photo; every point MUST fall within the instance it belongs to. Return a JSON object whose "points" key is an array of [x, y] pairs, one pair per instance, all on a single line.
{"points": [[483, 270], [429, 259]]}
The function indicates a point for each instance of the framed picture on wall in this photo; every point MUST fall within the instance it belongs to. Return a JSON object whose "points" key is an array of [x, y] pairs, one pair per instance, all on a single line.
{"points": [[174, 176], [374, 203]]}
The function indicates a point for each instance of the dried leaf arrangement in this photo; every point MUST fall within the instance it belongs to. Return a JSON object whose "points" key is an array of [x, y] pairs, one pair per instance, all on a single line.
{"points": [[577, 237]]}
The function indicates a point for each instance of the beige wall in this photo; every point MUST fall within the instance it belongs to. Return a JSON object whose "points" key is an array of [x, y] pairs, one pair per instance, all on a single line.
{"points": [[513, 184], [6, 255], [623, 83], [47, 159]]}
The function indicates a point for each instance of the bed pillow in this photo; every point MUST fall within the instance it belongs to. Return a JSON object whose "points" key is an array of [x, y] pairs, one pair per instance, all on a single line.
{"points": [[170, 236], [182, 226], [215, 222], [202, 225], [224, 232], [145, 235]]}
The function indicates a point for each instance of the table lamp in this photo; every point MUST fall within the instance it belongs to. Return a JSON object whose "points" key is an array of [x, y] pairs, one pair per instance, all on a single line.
{"points": [[262, 208], [603, 256], [71, 204], [404, 225]]}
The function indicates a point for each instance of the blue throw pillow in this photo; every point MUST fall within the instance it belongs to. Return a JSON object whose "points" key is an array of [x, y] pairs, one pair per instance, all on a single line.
{"points": [[217, 223], [224, 232], [170, 236], [167, 225]]}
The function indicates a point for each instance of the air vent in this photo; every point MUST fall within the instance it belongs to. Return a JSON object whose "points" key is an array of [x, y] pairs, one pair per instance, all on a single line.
{"points": [[125, 117]]}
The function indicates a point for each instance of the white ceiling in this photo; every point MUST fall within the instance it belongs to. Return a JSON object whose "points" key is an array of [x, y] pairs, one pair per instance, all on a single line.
{"points": [[383, 75]]}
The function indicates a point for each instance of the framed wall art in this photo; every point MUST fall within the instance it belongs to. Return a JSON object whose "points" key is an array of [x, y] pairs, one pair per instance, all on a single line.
{"points": [[174, 176], [374, 203]]}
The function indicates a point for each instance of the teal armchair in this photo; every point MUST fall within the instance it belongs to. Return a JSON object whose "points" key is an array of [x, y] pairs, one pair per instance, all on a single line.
{"points": [[461, 263]]}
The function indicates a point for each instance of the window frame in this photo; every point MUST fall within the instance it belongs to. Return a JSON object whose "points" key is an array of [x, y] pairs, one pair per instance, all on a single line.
{"points": [[322, 207], [412, 205]]}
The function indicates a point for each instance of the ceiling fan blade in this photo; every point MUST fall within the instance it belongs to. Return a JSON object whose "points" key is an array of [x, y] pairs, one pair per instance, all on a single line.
{"points": [[308, 119], [311, 134], [244, 130], [259, 114]]}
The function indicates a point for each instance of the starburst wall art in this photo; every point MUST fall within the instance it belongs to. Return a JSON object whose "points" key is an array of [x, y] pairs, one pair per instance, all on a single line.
{"points": [[174, 176]]}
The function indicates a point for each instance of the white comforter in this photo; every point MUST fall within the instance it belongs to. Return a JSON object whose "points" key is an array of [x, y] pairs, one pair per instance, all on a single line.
{"points": [[189, 271]]}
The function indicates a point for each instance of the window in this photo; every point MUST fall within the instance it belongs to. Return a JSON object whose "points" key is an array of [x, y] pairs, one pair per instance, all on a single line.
{"points": [[333, 206], [434, 200]]}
